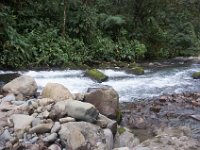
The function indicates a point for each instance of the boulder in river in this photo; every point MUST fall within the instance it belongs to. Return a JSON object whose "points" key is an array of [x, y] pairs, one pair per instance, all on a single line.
{"points": [[56, 92], [22, 87], [105, 99], [196, 75], [137, 70], [96, 75]]}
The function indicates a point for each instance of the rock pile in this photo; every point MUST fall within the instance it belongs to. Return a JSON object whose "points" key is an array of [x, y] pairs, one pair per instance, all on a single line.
{"points": [[57, 119]]}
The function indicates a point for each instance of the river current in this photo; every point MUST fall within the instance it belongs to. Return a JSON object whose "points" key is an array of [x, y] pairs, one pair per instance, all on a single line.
{"points": [[130, 87]]}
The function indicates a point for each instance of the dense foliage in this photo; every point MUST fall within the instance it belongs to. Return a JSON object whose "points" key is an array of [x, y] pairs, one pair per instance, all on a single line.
{"points": [[61, 32]]}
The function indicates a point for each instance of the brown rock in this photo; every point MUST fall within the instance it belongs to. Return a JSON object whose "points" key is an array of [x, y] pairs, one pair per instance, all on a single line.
{"points": [[105, 99]]}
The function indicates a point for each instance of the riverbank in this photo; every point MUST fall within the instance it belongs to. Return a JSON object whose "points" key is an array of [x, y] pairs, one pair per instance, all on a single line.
{"points": [[30, 121]]}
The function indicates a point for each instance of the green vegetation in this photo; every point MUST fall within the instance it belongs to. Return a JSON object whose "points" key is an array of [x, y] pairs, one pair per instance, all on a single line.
{"points": [[96, 75], [63, 32], [196, 75], [121, 130]]}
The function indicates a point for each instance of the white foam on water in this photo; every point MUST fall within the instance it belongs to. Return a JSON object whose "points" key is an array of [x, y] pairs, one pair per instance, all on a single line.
{"points": [[129, 87]]}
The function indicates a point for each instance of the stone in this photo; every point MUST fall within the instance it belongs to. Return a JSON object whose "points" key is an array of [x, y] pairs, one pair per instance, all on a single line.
{"points": [[22, 87], [196, 75], [105, 122], [56, 92], [105, 99], [41, 128], [54, 147], [121, 148], [109, 138], [45, 114], [59, 110], [82, 135], [9, 97], [137, 70], [96, 75], [67, 119], [81, 111], [56, 127], [22, 123], [45, 101], [125, 139], [5, 136], [36, 121], [51, 138], [78, 96]]}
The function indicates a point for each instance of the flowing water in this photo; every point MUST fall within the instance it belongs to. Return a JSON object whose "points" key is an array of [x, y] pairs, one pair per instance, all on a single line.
{"points": [[130, 87]]}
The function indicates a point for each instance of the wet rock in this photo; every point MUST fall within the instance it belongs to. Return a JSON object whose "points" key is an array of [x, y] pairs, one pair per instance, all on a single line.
{"points": [[125, 139], [77, 135], [54, 147], [51, 138], [105, 99], [21, 87], [196, 75], [67, 119], [41, 128], [22, 123], [137, 70], [56, 92], [81, 111], [96, 75], [56, 127]]}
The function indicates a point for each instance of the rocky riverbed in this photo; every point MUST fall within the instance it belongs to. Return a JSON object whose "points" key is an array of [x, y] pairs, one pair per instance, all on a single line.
{"points": [[57, 119]]}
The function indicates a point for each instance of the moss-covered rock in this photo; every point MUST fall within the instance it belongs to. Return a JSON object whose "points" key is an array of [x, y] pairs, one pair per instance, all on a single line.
{"points": [[96, 75], [137, 71], [196, 75]]}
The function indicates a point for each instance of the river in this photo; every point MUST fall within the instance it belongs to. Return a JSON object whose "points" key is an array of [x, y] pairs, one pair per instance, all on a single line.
{"points": [[130, 87]]}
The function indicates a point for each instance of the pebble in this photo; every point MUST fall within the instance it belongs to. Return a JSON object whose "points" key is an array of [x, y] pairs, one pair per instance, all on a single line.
{"points": [[34, 140], [67, 119], [54, 147], [51, 138], [6, 135]]}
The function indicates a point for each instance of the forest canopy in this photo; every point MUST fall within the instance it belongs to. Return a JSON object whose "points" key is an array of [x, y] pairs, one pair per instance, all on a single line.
{"points": [[59, 32]]}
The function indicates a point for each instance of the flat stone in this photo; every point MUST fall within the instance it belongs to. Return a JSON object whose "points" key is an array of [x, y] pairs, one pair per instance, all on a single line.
{"points": [[67, 119], [41, 128]]}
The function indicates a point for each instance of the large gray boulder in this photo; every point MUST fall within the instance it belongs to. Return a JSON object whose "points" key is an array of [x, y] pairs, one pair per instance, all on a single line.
{"points": [[56, 92], [22, 87], [83, 135], [81, 111], [105, 99], [75, 109]]}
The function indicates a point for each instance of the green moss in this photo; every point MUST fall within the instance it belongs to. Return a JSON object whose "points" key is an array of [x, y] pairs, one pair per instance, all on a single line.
{"points": [[121, 130], [119, 115], [196, 75], [96, 75], [137, 70]]}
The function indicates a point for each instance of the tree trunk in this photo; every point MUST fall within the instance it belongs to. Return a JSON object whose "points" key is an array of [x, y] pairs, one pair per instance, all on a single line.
{"points": [[64, 19]]}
